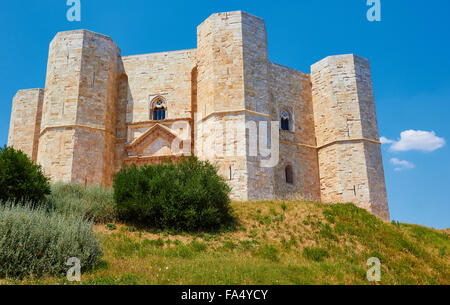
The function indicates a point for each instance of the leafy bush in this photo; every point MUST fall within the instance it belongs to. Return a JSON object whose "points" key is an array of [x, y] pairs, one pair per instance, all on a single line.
{"points": [[21, 180], [189, 195], [35, 242], [93, 203]]}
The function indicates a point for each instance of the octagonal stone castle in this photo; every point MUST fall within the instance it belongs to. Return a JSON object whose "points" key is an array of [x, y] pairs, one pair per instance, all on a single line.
{"points": [[100, 110]]}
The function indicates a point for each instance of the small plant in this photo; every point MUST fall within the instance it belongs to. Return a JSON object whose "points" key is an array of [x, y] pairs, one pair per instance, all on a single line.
{"points": [[21, 180], [198, 246], [327, 233], [287, 244], [229, 245], [131, 229], [293, 240], [253, 233], [396, 223], [159, 243], [329, 216], [442, 252], [284, 206], [316, 254], [111, 227], [268, 252], [284, 242]]}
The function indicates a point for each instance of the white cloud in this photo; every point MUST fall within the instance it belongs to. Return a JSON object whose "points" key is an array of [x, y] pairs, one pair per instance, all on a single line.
{"points": [[425, 141], [385, 140], [402, 164]]}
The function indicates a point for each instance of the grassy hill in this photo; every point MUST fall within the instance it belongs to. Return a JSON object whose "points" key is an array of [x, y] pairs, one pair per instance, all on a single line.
{"points": [[274, 243]]}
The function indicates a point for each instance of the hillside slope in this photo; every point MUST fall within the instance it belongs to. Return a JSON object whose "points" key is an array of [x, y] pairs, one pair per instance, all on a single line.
{"points": [[275, 243]]}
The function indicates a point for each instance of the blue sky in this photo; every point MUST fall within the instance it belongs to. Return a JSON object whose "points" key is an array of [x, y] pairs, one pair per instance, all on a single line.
{"points": [[409, 53]]}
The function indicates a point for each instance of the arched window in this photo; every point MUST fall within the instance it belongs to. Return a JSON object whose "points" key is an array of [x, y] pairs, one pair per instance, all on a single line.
{"points": [[285, 119], [289, 174], [159, 109]]}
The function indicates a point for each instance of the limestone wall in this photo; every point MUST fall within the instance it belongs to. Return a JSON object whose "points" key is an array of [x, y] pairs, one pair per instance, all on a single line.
{"points": [[62, 81], [165, 74], [79, 108], [256, 64], [222, 140], [221, 94], [56, 151], [25, 121], [143, 78], [260, 184], [97, 105], [291, 90], [347, 135], [377, 183], [93, 157], [56, 144], [220, 64], [257, 87]]}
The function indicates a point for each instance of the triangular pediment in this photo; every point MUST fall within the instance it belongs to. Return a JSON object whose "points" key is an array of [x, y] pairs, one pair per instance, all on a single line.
{"points": [[158, 135]]}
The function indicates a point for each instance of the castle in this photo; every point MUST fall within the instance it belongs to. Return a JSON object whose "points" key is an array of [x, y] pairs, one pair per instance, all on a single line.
{"points": [[100, 110]]}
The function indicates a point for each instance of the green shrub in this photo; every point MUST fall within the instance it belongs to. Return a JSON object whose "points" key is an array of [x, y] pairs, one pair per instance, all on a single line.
{"points": [[93, 203], [21, 180], [35, 242], [189, 195]]}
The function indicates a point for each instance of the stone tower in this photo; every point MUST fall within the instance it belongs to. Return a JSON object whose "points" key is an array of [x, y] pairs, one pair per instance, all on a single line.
{"points": [[232, 92], [25, 122], [77, 129], [350, 163]]}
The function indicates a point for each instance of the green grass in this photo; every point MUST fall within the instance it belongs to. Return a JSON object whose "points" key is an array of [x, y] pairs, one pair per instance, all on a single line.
{"points": [[279, 243]]}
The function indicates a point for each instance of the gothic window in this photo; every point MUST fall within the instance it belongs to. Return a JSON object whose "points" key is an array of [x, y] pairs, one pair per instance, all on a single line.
{"points": [[285, 119], [289, 174], [159, 110]]}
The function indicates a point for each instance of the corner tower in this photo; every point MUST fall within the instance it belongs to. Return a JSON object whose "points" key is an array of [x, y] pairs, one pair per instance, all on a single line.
{"points": [[350, 162], [233, 95], [77, 129], [25, 122]]}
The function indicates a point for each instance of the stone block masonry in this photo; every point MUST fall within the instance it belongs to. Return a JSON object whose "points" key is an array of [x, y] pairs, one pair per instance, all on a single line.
{"points": [[350, 164], [26, 114], [98, 108]]}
